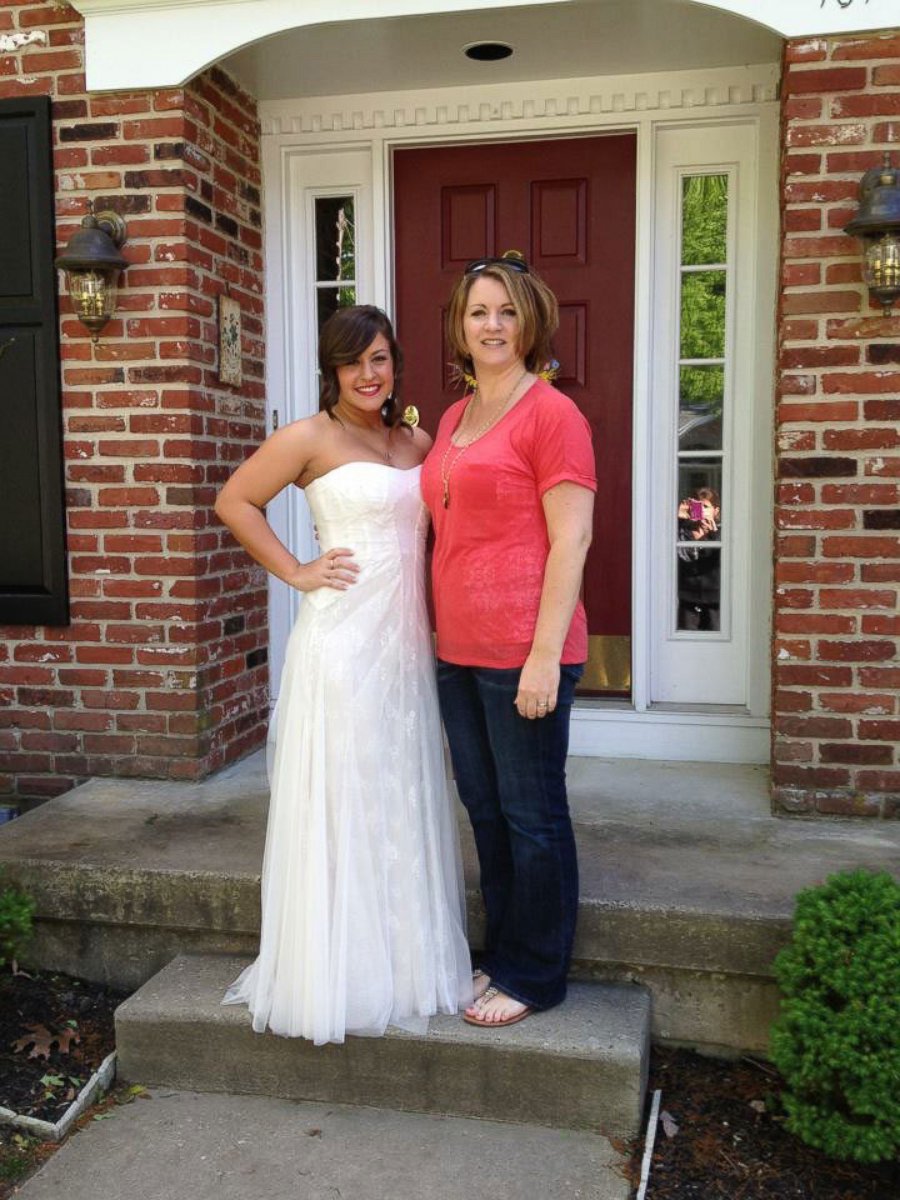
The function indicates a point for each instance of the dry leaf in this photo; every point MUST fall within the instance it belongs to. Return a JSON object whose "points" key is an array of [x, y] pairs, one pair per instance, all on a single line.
{"points": [[41, 1041], [669, 1124], [758, 1105]]}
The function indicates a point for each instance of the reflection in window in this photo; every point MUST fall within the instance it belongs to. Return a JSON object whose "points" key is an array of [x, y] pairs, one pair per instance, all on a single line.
{"points": [[702, 350], [335, 255]]}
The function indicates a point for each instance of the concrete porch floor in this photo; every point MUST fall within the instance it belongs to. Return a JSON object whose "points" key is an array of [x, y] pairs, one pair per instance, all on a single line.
{"points": [[687, 881]]}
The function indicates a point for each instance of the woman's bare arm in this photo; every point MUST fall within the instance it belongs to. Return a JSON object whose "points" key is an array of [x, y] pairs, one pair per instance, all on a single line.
{"points": [[568, 509], [280, 460]]}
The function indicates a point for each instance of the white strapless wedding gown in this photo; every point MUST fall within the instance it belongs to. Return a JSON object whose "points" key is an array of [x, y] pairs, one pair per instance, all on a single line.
{"points": [[363, 914]]}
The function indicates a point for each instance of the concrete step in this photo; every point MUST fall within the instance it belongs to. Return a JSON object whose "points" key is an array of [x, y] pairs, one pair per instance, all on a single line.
{"points": [[219, 1147], [687, 882], [581, 1066]]}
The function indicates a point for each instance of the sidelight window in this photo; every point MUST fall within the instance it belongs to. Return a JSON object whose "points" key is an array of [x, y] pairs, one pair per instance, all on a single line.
{"points": [[701, 391], [335, 257]]}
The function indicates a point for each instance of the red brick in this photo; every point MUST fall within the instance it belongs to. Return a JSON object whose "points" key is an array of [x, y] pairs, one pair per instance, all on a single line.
{"points": [[107, 655], [868, 47], [886, 105], [861, 547], [792, 675], [806, 50], [815, 519], [882, 410], [789, 701], [806, 274], [887, 75], [842, 804], [141, 722], [810, 777], [804, 220], [863, 327], [837, 752], [843, 272], [855, 702], [880, 624], [884, 731], [144, 497], [856, 598], [821, 302], [128, 448], [803, 108], [83, 677], [862, 382], [801, 136], [819, 412], [860, 493], [886, 467], [109, 699], [879, 781], [152, 128], [880, 572], [798, 385], [871, 651], [825, 79], [41, 652]]}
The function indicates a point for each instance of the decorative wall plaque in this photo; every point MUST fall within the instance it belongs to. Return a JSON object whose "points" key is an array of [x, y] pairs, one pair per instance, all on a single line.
{"points": [[229, 341]]}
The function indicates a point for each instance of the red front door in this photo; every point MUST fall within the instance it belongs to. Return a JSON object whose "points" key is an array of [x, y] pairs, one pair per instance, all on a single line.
{"points": [[569, 204]]}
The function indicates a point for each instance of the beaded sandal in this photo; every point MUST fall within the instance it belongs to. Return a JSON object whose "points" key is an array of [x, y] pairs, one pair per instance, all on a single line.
{"points": [[489, 994]]}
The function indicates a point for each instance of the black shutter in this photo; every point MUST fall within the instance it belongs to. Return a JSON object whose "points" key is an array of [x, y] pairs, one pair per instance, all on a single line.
{"points": [[33, 587]]}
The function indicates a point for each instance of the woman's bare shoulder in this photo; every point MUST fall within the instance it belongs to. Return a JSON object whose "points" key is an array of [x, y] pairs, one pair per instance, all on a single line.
{"points": [[422, 440]]}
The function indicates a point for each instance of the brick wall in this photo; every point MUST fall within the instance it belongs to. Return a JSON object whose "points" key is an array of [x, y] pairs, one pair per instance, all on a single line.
{"points": [[836, 717], [162, 671]]}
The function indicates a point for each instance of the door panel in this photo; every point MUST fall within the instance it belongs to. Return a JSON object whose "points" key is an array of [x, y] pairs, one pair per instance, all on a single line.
{"points": [[569, 204]]}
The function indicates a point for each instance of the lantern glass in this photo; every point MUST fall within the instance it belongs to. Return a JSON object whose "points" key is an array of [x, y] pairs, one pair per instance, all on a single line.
{"points": [[881, 268], [93, 296]]}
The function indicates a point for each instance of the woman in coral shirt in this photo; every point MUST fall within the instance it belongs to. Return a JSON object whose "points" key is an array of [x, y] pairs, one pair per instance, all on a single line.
{"points": [[510, 483]]}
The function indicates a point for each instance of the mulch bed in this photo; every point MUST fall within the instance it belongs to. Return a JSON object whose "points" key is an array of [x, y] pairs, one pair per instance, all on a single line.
{"points": [[728, 1140], [55, 1032]]}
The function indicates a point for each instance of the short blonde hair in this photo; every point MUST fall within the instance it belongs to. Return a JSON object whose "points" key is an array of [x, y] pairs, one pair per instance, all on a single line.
{"points": [[535, 305]]}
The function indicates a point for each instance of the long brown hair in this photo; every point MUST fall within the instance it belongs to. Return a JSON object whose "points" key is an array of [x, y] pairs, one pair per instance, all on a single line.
{"points": [[345, 335], [535, 305]]}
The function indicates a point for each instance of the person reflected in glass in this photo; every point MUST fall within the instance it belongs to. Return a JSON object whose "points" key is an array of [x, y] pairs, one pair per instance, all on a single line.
{"points": [[699, 566], [363, 914], [510, 483]]}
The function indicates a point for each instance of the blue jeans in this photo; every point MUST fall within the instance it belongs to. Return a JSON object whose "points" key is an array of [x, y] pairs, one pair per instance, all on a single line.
{"points": [[511, 776]]}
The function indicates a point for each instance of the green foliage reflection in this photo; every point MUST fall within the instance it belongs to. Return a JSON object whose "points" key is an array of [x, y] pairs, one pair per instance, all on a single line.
{"points": [[704, 226]]}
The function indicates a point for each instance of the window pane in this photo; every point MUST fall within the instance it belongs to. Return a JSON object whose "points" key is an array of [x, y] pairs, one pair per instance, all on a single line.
{"points": [[703, 314], [704, 219], [700, 396], [699, 588], [696, 478], [335, 238], [329, 300]]}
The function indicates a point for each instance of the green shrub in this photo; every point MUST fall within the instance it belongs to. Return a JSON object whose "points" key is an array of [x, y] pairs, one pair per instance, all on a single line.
{"points": [[16, 913], [837, 1040]]}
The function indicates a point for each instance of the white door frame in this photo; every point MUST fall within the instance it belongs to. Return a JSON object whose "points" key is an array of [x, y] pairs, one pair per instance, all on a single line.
{"points": [[381, 122]]}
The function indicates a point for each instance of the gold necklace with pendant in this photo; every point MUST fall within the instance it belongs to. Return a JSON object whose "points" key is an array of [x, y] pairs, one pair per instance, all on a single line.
{"points": [[447, 468]]}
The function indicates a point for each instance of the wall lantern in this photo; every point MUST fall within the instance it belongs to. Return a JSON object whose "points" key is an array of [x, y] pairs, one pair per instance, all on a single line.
{"points": [[92, 263], [877, 224]]}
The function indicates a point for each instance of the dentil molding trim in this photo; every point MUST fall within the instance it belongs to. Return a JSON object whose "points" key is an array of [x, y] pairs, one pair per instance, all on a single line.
{"points": [[529, 105]]}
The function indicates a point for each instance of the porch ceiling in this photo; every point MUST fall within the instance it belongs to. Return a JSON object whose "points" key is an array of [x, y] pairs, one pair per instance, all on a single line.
{"points": [[576, 39]]}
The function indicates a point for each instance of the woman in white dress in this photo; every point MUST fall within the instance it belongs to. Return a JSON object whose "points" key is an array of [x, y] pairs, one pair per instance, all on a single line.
{"points": [[363, 919]]}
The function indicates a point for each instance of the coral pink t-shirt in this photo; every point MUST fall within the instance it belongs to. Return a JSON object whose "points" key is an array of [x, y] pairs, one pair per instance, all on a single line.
{"points": [[491, 543]]}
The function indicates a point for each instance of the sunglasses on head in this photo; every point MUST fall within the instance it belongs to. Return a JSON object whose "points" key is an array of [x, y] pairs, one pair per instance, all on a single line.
{"points": [[513, 262]]}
